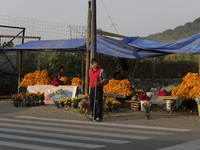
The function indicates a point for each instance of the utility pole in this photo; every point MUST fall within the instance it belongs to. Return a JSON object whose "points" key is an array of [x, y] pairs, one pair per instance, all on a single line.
{"points": [[94, 38], [88, 41]]}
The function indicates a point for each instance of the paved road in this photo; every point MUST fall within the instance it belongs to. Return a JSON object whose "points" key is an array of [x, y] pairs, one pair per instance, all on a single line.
{"points": [[35, 133]]}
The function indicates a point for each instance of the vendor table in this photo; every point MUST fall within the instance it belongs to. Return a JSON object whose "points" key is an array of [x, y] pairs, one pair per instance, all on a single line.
{"points": [[49, 89], [171, 99], [168, 97]]}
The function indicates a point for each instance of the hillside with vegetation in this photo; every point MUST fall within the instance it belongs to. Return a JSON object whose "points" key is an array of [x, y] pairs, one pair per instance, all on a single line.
{"points": [[180, 32], [173, 65], [171, 35]]}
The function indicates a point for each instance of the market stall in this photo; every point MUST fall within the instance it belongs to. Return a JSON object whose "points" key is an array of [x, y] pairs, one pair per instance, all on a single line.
{"points": [[130, 47]]}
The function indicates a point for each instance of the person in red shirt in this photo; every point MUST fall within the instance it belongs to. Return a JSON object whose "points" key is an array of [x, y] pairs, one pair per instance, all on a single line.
{"points": [[60, 73], [97, 78], [56, 81]]}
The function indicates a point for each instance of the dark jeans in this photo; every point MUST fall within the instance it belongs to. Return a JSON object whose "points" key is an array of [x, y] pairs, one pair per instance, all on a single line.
{"points": [[98, 101]]}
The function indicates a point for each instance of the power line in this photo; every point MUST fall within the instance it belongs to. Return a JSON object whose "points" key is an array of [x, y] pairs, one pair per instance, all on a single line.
{"points": [[113, 24]]}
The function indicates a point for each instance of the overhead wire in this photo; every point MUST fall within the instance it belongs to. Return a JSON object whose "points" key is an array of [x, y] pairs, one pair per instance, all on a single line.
{"points": [[113, 24]]}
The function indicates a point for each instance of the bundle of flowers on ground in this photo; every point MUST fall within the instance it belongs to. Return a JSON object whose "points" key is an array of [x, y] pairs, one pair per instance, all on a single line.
{"points": [[111, 104], [86, 96], [146, 108], [189, 88], [75, 101], [118, 87], [62, 102], [28, 99], [69, 102]]}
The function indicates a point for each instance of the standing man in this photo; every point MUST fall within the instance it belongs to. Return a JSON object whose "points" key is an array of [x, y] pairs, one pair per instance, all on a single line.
{"points": [[97, 79]]}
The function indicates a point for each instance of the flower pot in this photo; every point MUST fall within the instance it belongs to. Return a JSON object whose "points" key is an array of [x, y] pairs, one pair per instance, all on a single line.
{"points": [[20, 104], [199, 110], [59, 105]]}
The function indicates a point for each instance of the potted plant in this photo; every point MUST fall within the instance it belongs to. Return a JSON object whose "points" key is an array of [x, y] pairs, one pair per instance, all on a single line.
{"points": [[75, 101], [16, 99], [115, 105], [67, 102], [145, 97], [146, 109]]}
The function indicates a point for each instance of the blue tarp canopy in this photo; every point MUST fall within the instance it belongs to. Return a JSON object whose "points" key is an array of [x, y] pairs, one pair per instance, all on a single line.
{"points": [[70, 45], [136, 48], [130, 47]]}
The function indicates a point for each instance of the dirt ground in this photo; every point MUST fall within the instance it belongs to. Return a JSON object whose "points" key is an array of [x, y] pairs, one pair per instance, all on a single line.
{"points": [[159, 117]]}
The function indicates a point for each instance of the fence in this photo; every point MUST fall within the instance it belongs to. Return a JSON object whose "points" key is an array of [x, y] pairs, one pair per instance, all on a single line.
{"points": [[12, 32]]}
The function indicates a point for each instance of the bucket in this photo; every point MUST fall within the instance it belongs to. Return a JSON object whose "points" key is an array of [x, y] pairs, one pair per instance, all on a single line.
{"points": [[168, 105], [141, 102]]}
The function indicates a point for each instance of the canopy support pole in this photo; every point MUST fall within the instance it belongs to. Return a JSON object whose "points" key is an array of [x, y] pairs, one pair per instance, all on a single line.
{"points": [[94, 38], [38, 60], [88, 41], [199, 65], [20, 64]]}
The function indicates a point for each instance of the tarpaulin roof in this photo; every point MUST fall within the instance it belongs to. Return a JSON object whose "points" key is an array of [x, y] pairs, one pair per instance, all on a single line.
{"points": [[69, 45], [130, 47], [188, 45], [136, 48], [119, 48]]}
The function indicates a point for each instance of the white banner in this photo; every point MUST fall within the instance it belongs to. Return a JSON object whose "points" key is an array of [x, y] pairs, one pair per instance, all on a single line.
{"points": [[50, 90]]}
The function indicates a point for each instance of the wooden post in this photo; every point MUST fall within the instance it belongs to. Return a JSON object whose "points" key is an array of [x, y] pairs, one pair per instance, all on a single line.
{"points": [[154, 69], [93, 29], [20, 63], [87, 65], [199, 65], [38, 60]]}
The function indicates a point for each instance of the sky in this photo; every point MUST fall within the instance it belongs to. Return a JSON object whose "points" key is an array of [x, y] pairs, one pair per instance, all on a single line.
{"points": [[130, 17]]}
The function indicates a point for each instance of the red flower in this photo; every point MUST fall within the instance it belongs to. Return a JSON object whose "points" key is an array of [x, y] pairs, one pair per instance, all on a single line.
{"points": [[143, 97], [162, 92]]}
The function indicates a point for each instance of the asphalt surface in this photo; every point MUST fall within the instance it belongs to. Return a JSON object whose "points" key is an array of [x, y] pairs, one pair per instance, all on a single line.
{"points": [[158, 118]]}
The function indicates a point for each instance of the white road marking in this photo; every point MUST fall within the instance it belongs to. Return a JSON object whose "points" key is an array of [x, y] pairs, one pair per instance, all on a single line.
{"points": [[109, 124], [43, 140], [88, 127], [105, 140], [29, 146], [104, 134]]}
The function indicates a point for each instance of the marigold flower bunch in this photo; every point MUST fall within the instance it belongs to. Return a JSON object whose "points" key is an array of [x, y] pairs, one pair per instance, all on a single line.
{"points": [[118, 87], [110, 102], [85, 96], [38, 77], [66, 80], [77, 82], [62, 100], [138, 91], [27, 96], [189, 88], [146, 107]]}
